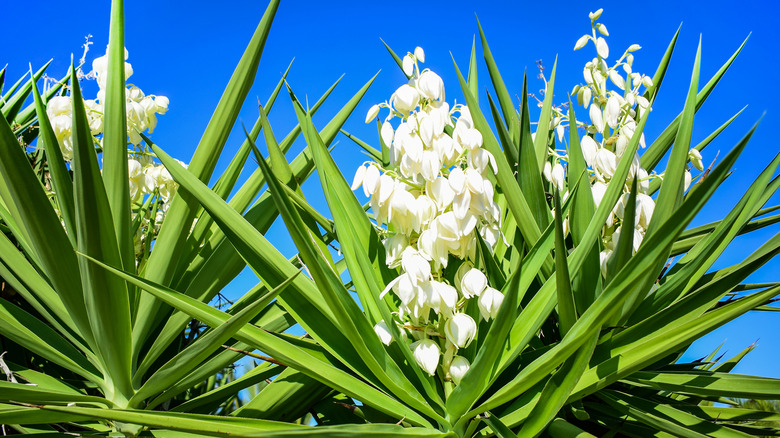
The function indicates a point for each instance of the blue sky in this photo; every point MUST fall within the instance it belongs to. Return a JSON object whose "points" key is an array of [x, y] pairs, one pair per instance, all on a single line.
{"points": [[189, 53]]}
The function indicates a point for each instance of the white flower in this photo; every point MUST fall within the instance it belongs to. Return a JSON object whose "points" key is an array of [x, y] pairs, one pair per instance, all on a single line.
{"points": [[602, 30], [426, 353], [383, 332], [430, 85], [596, 118], [372, 113], [387, 133], [687, 182], [618, 80], [460, 329], [633, 48], [581, 42], [473, 283], [606, 162], [370, 180], [359, 175], [405, 99], [612, 111], [408, 65], [489, 303], [395, 246], [695, 157], [595, 15], [419, 54], [644, 209], [602, 48], [589, 149], [458, 368]]}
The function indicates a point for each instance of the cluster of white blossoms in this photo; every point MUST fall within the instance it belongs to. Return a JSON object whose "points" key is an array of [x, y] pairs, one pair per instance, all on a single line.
{"points": [[613, 97], [145, 176], [434, 197]]}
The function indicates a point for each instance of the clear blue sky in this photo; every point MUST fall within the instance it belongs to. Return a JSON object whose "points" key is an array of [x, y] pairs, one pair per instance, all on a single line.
{"points": [[188, 53]]}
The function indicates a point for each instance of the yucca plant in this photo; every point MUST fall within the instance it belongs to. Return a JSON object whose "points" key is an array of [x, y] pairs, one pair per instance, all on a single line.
{"points": [[494, 290]]}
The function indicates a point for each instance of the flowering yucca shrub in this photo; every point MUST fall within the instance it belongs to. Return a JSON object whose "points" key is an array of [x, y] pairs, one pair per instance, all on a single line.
{"points": [[508, 282]]}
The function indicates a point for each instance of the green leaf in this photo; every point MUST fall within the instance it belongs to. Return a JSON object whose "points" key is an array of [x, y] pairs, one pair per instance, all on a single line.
{"points": [[61, 181], [285, 352], [352, 322], [115, 167], [658, 148], [567, 312]]}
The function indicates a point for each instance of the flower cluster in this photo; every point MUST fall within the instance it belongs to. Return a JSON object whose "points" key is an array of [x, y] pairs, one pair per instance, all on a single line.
{"points": [[615, 100], [434, 196], [145, 176]]}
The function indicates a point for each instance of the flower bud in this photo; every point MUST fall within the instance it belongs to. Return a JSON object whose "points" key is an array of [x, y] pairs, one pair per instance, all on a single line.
{"points": [[633, 48], [460, 329], [419, 54], [695, 157], [557, 176], [602, 48], [426, 353], [616, 79], [458, 368], [581, 42], [606, 162], [372, 113], [602, 29]]}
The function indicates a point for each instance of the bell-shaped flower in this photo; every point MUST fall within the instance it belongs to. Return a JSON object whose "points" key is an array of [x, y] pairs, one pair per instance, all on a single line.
{"points": [[473, 283], [370, 180], [408, 65], [415, 265], [616, 79], [557, 176], [460, 329], [612, 111], [430, 165], [359, 175], [457, 179], [386, 132], [589, 149], [444, 147], [430, 85], [440, 191], [596, 118], [606, 162], [424, 212], [603, 260], [458, 368], [489, 303], [687, 180], [383, 332], [598, 189], [480, 158], [644, 209], [394, 247], [426, 353], [405, 99]]}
